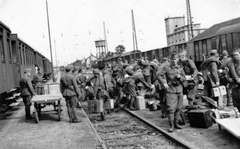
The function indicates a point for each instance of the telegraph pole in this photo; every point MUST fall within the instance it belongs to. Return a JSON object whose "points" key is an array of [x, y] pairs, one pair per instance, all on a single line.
{"points": [[55, 52], [50, 41], [135, 45], [189, 21], [105, 38]]}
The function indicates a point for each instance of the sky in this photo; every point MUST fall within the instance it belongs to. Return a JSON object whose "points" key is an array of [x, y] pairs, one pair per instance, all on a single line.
{"points": [[76, 24]]}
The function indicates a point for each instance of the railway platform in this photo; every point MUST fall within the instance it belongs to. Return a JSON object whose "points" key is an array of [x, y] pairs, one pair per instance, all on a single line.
{"points": [[49, 133], [16, 132]]}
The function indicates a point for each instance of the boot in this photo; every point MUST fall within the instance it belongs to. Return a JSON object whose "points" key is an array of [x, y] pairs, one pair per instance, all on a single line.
{"points": [[170, 118], [177, 126], [131, 104]]}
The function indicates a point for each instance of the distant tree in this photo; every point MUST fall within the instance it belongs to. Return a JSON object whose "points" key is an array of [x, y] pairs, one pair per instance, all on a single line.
{"points": [[120, 49]]}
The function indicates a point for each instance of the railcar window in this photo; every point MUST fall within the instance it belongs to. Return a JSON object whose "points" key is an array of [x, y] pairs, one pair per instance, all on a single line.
{"points": [[9, 49], [2, 49], [14, 52]]}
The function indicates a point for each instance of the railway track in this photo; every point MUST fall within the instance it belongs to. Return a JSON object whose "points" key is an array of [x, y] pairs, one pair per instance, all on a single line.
{"points": [[125, 130]]}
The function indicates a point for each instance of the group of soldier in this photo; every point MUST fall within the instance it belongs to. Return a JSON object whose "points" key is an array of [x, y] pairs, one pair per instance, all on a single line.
{"points": [[168, 81]]}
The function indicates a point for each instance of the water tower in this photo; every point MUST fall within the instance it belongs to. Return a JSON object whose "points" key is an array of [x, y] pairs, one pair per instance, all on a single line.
{"points": [[100, 48]]}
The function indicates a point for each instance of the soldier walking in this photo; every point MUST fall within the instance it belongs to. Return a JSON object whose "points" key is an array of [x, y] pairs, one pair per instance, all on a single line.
{"points": [[172, 77]]}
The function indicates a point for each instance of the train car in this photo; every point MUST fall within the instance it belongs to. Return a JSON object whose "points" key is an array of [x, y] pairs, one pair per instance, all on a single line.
{"points": [[222, 36], [6, 74]]}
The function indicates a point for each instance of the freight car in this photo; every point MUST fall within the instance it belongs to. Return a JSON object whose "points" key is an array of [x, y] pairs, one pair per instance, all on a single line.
{"points": [[16, 55], [158, 54], [222, 36]]}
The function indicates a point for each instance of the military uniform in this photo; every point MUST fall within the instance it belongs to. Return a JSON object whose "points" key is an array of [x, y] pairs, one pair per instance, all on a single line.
{"points": [[234, 67], [37, 81], [190, 69], [209, 68], [174, 93], [70, 91], [146, 71], [27, 91]]}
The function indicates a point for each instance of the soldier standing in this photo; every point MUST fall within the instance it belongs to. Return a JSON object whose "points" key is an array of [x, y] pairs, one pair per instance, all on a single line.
{"points": [[191, 71], [234, 66], [70, 91], [172, 77], [209, 68], [27, 91], [37, 82]]}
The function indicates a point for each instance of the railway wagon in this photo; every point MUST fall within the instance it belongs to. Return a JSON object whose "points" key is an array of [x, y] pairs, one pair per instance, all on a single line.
{"points": [[222, 36], [16, 55]]}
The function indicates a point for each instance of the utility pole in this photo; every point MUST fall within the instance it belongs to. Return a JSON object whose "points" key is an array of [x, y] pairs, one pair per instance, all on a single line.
{"points": [[55, 53], [189, 21], [135, 45], [105, 38], [50, 41]]}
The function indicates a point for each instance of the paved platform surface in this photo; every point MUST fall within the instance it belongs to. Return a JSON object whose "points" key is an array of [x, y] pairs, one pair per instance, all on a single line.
{"points": [[49, 133], [16, 132]]}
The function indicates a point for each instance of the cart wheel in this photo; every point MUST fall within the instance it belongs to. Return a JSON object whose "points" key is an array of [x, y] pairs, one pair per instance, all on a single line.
{"points": [[59, 111]]}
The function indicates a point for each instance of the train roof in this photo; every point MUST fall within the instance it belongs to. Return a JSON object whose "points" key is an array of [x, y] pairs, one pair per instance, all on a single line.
{"points": [[5, 26], [217, 29]]}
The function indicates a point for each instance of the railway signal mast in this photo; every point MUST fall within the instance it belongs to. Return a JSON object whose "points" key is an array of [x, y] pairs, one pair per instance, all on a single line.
{"points": [[135, 45], [189, 21]]}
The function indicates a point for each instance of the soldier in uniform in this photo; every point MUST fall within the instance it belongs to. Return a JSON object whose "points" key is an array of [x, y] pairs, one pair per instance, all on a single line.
{"points": [[130, 85], [234, 69], [209, 68], [172, 77], [37, 82], [145, 70], [27, 91], [98, 89], [70, 91], [191, 71]]}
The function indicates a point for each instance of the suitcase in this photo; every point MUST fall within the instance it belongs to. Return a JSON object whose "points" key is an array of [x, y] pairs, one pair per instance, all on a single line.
{"points": [[200, 118], [95, 106]]}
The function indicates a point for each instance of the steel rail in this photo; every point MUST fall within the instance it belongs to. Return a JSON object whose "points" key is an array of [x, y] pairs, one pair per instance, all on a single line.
{"points": [[162, 131], [102, 143]]}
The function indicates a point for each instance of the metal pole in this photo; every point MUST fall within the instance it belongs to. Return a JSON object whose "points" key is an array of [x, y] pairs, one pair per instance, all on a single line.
{"points": [[50, 40], [55, 52], [105, 36]]}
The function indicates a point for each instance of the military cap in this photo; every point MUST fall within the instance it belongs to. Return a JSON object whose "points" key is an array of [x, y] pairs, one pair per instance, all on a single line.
{"points": [[96, 71], [224, 53], [68, 67], [27, 70], [213, 52], [129, 70], [146, 57], [120, 59], [165, 59], [174, 56]]}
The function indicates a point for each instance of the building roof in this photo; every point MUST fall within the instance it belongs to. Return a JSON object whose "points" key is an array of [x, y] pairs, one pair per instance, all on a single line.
{"points": [[216, 29]]}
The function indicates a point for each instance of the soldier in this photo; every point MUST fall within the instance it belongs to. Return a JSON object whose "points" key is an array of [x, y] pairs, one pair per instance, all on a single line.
{"points": [[120, 62], [27, 91], [130, 85], [145, 70], [172, 77], [70, 91], [108, 83], [224, 76], [162, 91], [37, 82], [209, 68], [98, 89], [234, 66], [82, 83], [191, 71]]}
